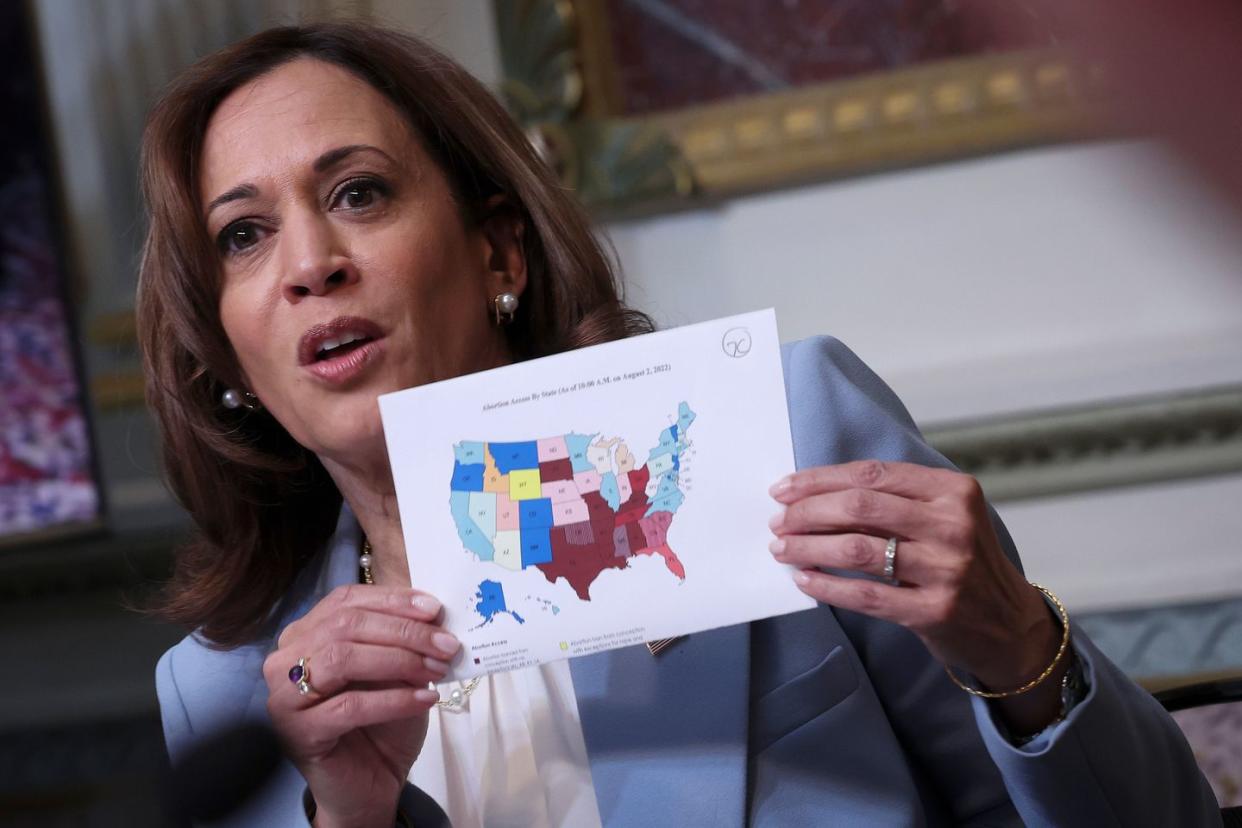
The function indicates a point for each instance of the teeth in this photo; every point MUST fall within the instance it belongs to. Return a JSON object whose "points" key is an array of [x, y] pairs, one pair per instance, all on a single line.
{"points": [[330, 344]]}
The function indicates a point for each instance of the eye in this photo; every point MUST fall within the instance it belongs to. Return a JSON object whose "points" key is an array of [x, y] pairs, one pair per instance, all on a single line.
{"points": [[238, 236], [358, 194]]}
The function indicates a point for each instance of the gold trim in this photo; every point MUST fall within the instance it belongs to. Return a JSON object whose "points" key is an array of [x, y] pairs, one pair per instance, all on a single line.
{"points": [[919, 115], [928, 113], [596, 60]]}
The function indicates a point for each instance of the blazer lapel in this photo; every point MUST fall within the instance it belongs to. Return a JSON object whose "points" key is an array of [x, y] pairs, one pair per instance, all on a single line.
{"points": [[338, 566], [666, 736]]}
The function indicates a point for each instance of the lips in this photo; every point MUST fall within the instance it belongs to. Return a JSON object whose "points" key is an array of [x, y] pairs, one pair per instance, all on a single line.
{"points": [[338, 350], [332, 340]]}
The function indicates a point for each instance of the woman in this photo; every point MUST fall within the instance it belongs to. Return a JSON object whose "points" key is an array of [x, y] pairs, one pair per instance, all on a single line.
{"points": [[338, 212]]}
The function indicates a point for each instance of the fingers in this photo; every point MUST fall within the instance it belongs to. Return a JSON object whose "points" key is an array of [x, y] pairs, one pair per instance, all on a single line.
{"points": [[343, 663], [852, 551], [361, 646], [337, 715], [395, 601], [370, 627], [908, 480], [857, 510], [908, 607]]}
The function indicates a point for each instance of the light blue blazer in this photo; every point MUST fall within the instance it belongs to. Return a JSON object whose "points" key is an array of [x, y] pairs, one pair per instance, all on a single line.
{"points": [[823, 717]]}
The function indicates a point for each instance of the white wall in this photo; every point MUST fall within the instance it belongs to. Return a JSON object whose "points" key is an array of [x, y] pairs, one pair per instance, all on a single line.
{"points": [[1024, 280]]}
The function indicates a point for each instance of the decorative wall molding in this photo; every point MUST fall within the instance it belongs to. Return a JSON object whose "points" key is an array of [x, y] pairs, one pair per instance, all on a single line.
{"points": [[1168, 437]]}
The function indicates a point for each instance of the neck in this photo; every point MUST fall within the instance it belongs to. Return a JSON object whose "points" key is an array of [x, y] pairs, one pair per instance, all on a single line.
{"points": [[369, 491]]}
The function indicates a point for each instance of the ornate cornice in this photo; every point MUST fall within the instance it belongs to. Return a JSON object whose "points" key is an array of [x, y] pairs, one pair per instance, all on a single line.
{"points": [[1168, 437]]}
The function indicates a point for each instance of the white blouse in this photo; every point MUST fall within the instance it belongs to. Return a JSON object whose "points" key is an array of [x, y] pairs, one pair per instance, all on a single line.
{"points": [[513, 755]]}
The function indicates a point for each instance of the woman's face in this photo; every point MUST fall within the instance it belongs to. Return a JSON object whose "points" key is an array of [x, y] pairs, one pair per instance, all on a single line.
{"points": [[348, 270]]}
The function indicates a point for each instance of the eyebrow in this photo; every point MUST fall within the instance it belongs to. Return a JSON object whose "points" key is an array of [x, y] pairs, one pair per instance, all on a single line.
{"points": [[324, 162], [236, 194]]}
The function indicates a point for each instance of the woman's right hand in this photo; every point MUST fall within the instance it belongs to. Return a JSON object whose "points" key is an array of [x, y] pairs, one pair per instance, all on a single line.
{"points": [[371, 652]]}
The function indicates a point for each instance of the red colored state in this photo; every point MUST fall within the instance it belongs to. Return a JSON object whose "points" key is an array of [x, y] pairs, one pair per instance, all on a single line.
{"points": [[550, 470], [601, 516], [580, 556], [580, 565], [634, 533], [638, 504]]}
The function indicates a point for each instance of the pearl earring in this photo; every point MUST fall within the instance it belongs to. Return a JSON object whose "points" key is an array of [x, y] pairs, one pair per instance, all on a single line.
{"points": [[233, 399], [505, 305]]}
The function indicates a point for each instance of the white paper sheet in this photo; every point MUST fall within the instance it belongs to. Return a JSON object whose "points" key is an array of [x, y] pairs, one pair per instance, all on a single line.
{"points": [[598, 498]]}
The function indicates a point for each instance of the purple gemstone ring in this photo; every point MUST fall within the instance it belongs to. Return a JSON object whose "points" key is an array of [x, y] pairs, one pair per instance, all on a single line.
{"points": [[299, 674]]}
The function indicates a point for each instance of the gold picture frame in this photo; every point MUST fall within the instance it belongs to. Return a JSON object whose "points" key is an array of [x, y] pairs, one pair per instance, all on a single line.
{"points": [[558, 82]]}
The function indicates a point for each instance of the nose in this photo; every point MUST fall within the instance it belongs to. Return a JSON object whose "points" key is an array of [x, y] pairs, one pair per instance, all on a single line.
{"points": [[315, 263]]}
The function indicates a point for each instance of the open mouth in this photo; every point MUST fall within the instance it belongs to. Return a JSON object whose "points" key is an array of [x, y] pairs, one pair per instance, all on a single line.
{"points": [[348, 343], [335, 341]]}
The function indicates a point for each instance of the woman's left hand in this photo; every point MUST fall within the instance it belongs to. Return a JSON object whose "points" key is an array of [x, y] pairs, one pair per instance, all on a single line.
{"points": [[955, 588]]}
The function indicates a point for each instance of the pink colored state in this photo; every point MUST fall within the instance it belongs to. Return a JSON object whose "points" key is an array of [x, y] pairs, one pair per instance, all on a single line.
{"points": [[670, 558]]}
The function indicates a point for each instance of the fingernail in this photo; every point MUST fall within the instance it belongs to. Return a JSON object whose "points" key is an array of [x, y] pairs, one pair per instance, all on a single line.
{"points": [[777, 547], [435, 664], [801, 578], [777, 520], [426, 603], [427, 696], [781, 486], [445, 643]]}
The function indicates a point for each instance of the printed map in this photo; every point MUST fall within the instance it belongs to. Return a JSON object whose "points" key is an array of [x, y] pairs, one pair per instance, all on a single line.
{"points": [[571, 506]]}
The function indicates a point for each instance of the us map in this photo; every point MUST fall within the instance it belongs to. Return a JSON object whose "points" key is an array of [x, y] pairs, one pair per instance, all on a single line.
{"points": [[572, 506]]}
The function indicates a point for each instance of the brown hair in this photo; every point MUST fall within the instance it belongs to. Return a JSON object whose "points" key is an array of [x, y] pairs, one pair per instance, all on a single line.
{"points": [[263, 504]]}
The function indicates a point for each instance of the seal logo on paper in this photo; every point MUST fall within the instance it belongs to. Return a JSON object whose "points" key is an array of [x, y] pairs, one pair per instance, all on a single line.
{"points": [[736, 342]]}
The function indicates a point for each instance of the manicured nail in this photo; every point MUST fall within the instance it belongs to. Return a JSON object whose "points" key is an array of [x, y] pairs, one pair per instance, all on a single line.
{"points": [[777, 520], [777, 547], [427, 696], [781, 486], [446, 643], [435, 665], [802, 578], [426, 603]]}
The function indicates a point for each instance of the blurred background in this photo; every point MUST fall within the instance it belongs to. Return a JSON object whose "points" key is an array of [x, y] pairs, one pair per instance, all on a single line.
{"points": [[1055, 297]]}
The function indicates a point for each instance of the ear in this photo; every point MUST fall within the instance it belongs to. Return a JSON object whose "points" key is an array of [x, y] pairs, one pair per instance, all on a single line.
{"points": [[503, 227]]}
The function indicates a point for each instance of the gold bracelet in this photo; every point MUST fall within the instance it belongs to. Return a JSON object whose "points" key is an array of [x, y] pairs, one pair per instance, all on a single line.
{"points": [[1035, 682]]}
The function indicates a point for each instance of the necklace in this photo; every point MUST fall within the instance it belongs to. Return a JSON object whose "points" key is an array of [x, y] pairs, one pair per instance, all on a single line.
{"points": [[457, 697]]}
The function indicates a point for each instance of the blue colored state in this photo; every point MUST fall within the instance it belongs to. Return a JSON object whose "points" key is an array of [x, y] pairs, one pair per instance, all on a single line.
{"points": [[468, 452], [577, 445], [609, 490], [668, 443], [684, 417], [491, 601], [668, 497], [510, 456], [467, 477], [535, 513], [472, 537], [536, 546]]}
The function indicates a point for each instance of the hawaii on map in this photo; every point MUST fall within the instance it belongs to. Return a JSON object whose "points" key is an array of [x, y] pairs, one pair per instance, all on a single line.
{"points": [[571, 506]]}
